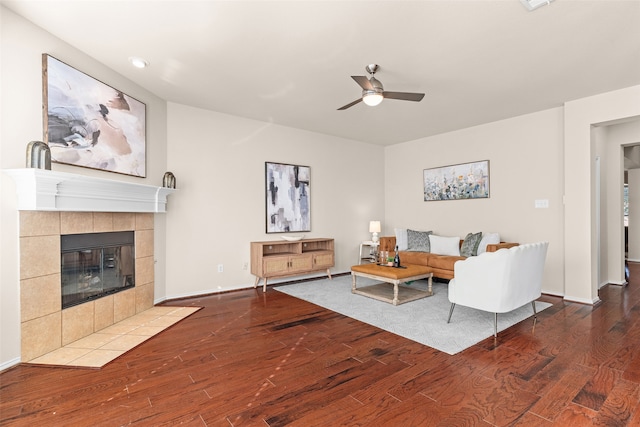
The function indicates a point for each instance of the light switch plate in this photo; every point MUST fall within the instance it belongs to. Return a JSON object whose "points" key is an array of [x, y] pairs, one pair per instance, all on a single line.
{"points": [[542, 203]]}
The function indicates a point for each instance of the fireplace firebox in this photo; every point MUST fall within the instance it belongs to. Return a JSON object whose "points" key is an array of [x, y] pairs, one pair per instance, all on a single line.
{"points": [[94, 265]]}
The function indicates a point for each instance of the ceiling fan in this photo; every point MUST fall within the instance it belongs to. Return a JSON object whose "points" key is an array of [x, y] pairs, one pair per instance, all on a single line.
{"points": [[373, 93]]}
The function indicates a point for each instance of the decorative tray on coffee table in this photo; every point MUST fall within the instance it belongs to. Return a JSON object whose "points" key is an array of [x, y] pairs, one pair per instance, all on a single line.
{"points": [[390, 266]]}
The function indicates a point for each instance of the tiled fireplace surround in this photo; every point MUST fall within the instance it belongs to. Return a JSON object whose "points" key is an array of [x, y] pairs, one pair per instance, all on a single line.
{"points": [[45, 327]]}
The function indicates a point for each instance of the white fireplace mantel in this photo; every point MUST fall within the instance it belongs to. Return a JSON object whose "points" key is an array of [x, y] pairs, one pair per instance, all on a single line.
{"points": [[46, 190]]}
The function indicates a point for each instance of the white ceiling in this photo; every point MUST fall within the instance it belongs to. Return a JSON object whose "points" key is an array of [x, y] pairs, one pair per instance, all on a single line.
{"points": [[290, 62]]}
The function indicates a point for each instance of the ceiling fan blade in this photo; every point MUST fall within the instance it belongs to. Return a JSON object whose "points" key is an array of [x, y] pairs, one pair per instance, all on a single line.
{"points": [[363, 82], [351, 104], [404, 96]]}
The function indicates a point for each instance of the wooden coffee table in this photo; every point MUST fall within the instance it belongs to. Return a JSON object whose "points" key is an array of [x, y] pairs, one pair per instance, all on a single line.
{"points": [[394, 276]]}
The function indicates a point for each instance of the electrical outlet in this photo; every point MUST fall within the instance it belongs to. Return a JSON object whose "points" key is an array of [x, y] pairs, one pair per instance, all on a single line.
{"points": [[220, 268], [245, 266]]}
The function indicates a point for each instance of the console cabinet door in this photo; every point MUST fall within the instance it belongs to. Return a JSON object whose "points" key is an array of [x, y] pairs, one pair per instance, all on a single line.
{"points": [[283, 265], [300, 263], [323, 260], [275, 265]]}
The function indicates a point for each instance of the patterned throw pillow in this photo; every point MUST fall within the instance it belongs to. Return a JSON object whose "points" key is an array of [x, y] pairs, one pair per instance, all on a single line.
{"points": [[418, 241], [470, 244]]}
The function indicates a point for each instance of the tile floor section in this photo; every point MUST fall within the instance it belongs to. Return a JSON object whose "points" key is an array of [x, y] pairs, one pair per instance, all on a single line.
{"points": [[100, 348]]}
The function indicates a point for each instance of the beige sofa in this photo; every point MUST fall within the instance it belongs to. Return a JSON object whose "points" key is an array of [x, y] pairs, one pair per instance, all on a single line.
{"points": [[442, 265]]}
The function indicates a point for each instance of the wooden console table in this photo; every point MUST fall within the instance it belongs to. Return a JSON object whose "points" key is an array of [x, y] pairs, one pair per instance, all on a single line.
{"points": [[281, 258]]}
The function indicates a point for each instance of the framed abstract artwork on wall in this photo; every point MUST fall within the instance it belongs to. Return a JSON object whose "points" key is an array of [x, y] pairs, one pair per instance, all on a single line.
{"points": [[90, 124], [456, 182], [287, 197]]}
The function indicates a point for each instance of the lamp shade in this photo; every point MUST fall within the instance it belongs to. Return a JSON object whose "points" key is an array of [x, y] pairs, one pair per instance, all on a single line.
{"points": [[372, 99], [374, 227]]}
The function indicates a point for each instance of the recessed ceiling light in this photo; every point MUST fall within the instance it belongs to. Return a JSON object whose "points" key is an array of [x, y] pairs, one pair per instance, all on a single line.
{"points": [[138, 62], [534, 4]]}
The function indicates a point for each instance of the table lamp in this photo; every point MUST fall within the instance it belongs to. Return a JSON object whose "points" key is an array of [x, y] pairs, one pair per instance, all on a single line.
{"points": [[374, 228]]}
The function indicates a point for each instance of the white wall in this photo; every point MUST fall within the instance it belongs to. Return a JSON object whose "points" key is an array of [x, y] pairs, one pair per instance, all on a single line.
{"points": [[22, 45], [602, 233], [634, 215], [581, 279], [525, 155], [219, 162], [611, 138]]}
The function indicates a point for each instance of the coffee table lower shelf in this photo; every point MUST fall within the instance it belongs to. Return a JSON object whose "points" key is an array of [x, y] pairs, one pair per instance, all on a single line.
{"points": [[399, 293]]}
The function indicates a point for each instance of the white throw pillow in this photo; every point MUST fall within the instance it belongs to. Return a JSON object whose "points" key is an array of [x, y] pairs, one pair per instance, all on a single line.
{"points": [[401, 238], [444, 245], [488, 239]]}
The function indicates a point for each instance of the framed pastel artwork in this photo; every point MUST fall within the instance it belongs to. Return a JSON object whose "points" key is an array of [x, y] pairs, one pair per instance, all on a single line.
{"points": [[456, 182], [91, 124]]}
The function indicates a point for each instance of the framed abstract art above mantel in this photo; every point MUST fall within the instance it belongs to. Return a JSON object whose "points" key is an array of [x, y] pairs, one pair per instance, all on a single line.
{"points": [[456, 182], [288, 194], [90, 124]]}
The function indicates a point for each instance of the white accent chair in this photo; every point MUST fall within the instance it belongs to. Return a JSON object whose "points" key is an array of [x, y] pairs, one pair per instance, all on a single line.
{"points": [[499, 282]]}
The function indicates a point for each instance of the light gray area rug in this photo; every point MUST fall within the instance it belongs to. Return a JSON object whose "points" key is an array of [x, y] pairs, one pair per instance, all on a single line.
{"points": [[423, 320]]}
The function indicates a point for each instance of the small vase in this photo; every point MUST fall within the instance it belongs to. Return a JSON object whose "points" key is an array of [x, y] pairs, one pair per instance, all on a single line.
{"points": [[38, 155], [169, 180]]}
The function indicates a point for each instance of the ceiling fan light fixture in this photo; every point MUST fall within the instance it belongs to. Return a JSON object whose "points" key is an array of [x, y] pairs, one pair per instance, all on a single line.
{"points": [[372, 98]]}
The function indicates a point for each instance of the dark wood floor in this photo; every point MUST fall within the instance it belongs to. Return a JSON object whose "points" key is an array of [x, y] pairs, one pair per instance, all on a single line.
{"points": [[250, 358]]}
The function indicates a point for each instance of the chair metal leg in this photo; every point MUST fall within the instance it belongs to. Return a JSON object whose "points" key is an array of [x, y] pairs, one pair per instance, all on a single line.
{"points": [[495, 325], [535, 314], [451, 311]]}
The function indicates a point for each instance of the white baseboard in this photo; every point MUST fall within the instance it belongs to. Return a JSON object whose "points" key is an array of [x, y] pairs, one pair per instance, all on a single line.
{"points": [[633, 260], [202, 292], [239, 287], [582, 300], [618, 282], [9, 363], [553, 294]]}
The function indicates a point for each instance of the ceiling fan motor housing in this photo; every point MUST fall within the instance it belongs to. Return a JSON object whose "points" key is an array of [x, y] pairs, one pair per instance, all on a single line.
{"points": [[366, 92], [376, 87], [374, 94], [375, 83]]}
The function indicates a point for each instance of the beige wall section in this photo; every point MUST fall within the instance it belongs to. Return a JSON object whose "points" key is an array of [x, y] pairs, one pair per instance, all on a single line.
{"points": [[608, 158], [219, 162], [634, 215], [21, 47], [525, 155], [581, 279], [613, 181], [610, 140]]}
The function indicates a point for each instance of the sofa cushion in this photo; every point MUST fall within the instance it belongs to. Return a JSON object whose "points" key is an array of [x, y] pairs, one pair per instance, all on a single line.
{"points": [[444, 262], [488, 239], [442, 245], [418, 241], [401, 238], [417, 258], [470, 245]]}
